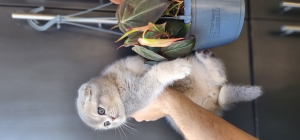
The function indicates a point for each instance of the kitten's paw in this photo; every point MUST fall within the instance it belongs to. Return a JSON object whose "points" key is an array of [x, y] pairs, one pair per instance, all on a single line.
{"points": [[213, 65], [204, 54], [168, 72], [181, 68]]}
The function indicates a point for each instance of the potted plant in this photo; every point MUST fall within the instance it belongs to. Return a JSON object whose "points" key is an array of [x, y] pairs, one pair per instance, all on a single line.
{"points": [[163, 30], [152, 28]]}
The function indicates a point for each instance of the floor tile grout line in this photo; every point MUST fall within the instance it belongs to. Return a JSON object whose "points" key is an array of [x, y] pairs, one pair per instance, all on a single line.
{"points": [[251, 63]]}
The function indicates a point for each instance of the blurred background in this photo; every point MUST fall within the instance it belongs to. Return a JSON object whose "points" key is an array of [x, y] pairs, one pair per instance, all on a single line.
{"points": [[40, 73]]}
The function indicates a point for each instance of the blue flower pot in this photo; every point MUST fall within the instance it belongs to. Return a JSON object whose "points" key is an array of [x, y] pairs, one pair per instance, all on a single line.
{"points": [[214, 22]]}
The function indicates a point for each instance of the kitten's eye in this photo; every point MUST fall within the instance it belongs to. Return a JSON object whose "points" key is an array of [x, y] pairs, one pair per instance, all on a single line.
{"points": [[101, 111], [107, 123]]}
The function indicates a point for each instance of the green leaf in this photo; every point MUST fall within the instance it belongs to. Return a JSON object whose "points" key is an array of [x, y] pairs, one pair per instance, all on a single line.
{"points": [[156, 31], [133, 39], [184, 30], [174, 27], [158, 27], [148, 54], [137, 13], [126, 34], [179, 49], [154, 49], [174, 8], [177, 28], [152, 34]]}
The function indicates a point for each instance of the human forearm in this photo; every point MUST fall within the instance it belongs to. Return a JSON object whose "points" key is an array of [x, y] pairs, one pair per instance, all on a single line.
{"points": [[197, 123]]}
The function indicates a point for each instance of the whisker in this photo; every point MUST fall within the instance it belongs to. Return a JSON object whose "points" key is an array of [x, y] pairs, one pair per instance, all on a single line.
{"points": [[92, 131], [131, 123], [130, 131], [127, 127], [115, 134], [123, 131], [120, 133], [97, 134], [130, 128]]}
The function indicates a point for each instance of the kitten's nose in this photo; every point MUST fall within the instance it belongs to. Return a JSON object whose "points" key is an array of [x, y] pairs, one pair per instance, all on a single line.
{"points": [[113, 118]]}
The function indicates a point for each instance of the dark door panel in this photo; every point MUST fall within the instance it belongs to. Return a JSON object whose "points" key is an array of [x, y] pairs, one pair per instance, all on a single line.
{"points": [[277, 69], [270, 9]]}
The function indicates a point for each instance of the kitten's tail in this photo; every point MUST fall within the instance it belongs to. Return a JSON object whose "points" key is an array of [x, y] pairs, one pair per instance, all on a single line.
{"points": [[230, 94]]}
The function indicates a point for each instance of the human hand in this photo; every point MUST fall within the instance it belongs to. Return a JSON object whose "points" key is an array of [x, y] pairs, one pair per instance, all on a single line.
{"points": [[116, 1], [157, 109]]}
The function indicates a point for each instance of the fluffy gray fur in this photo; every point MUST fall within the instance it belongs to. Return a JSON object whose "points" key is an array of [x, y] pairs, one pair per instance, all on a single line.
{"points": [[129, 85]]}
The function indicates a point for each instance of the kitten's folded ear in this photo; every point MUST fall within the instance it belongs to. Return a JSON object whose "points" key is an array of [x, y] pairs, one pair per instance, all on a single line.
{"points": [[230, 94], [84, 93]]}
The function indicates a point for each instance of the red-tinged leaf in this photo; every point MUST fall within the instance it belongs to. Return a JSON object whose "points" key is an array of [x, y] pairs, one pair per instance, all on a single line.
{"points": [[133, 39], [137, 13], [116, 26], [143, 28], [157, 42], [156, 31]]}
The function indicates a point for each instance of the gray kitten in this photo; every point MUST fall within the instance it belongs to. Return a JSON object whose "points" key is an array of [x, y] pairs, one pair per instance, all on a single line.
{"points": [[128, 85]]}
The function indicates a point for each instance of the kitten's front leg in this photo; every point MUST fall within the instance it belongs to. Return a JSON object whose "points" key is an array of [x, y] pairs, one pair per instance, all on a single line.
{"points": [[170, 71], [155, 81]]}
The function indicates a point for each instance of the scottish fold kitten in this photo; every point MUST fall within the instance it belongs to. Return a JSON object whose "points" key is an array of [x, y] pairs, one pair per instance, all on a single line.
{"points": [[128, 85]]}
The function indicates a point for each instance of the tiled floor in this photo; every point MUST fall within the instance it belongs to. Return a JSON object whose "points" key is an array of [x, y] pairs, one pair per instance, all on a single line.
{"points": [[41, 71]]}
